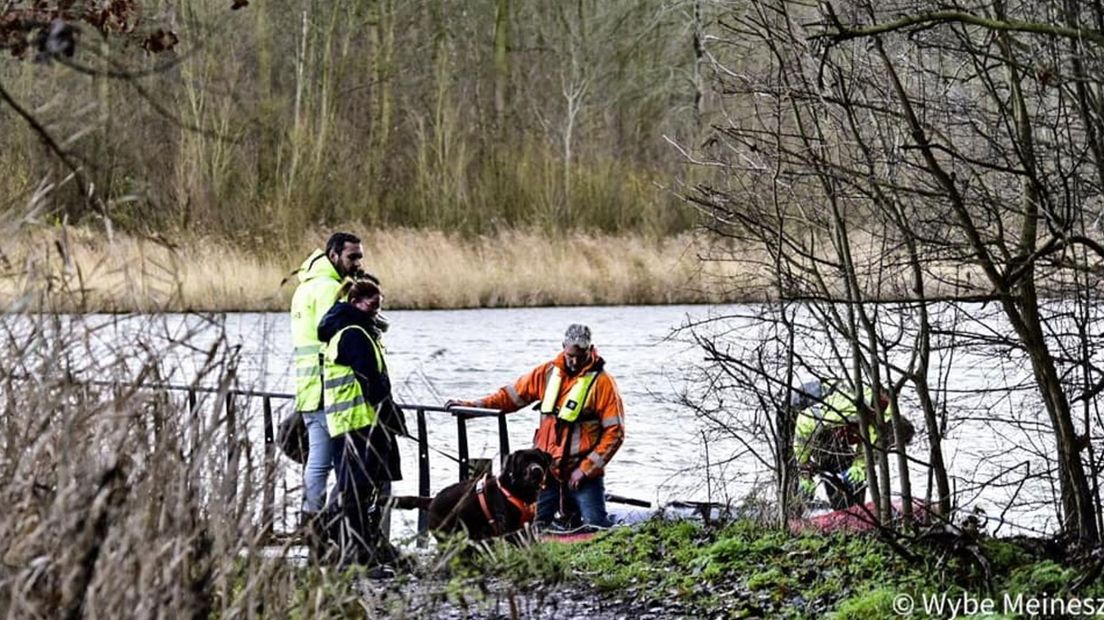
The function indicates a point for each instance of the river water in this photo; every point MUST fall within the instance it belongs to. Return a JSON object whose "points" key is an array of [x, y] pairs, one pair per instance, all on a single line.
{"points": [[437, 355]]}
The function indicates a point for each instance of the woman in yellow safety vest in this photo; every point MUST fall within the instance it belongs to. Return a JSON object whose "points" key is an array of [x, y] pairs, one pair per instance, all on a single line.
{"points": [[362, 419]]}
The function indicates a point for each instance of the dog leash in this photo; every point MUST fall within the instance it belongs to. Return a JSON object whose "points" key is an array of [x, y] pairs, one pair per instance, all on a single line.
{"points": [[431, 448], [481, 493]]}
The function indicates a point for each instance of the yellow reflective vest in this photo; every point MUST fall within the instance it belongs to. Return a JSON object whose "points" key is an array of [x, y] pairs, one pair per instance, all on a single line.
{"points": [[837, 409], [319, 285], [573, 401], [346, 408]]}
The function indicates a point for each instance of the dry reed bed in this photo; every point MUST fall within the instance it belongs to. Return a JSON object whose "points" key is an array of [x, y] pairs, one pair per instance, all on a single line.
{"points": [[124, 501], [76, 269], [122, 504]]}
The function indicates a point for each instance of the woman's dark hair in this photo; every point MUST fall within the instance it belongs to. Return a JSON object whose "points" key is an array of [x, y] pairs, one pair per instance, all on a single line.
{"points": [[359, 289]]}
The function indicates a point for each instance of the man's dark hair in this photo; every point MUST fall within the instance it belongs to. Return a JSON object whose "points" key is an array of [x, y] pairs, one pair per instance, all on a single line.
{"points": [[338, 240]]}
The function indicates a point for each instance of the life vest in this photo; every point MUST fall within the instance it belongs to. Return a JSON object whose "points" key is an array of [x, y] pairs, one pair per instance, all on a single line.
{"points": [[346, 409], [575, 399]]}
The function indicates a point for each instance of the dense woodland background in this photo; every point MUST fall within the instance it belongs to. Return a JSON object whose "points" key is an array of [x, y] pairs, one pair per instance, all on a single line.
{"points": [[916, 179], [281, 115]]}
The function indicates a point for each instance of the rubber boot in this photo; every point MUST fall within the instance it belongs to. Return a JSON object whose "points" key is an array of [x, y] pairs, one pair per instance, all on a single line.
{"points": [[381, 557], [312, 527], [360, 543], [368, 539]]}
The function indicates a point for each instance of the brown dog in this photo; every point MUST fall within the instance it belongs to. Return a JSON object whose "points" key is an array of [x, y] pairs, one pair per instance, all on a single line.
{"points": [[488, 506]]}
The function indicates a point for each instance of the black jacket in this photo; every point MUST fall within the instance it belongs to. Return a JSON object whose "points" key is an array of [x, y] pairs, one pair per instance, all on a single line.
{"points": [[355, 351]]}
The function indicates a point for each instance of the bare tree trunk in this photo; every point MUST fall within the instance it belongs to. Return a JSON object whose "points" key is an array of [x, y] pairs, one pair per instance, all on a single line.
{"points": [[1074, 485], [381, 44], [699, 61], [1090, 115], [937, 466], [785, 463], [297, 128], [268, 152], [501, 61], [877, 468]]}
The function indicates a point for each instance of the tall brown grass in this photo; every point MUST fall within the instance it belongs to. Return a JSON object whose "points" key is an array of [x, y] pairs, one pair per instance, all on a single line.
{"points": [[78, 269], [124, 502]]}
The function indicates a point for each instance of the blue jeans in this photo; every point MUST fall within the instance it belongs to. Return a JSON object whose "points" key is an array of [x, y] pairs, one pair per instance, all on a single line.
{"points": [[319, 462], [588, 501]]}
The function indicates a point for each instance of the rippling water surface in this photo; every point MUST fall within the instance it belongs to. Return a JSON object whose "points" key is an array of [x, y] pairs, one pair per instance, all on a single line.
{"points": [[437, 355]]}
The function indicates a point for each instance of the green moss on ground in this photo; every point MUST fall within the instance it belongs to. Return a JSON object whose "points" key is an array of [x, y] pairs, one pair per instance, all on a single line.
{"points": [[747, 570], [681, 569]]}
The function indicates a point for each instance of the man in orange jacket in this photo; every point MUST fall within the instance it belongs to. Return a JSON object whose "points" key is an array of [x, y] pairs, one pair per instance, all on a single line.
{"points": [[582, 424]]}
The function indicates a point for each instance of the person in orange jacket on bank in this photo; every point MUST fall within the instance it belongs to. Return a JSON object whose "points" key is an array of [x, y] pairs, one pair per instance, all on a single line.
{"points": [[582, 424]]}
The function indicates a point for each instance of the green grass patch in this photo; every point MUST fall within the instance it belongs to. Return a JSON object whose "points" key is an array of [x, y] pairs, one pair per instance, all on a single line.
{"points": [[747, 570]]}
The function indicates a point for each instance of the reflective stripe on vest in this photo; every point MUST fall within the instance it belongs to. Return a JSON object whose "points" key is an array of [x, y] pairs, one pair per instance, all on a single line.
{"points": [[575, 399], [309, 304], [346, 409], [308, 372]]}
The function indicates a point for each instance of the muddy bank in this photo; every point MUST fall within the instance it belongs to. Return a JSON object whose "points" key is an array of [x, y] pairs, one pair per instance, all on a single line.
{"points": [[413, 597], [663, 569]]}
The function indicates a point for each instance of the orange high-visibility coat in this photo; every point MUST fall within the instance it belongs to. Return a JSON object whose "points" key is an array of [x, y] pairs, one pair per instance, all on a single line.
{"points": [[587, 443]]}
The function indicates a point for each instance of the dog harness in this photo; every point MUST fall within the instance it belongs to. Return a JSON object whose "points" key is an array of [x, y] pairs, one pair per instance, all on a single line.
{"points": [[496, 524]]}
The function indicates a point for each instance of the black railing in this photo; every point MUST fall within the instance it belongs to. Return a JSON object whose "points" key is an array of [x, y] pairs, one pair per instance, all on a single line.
{"points": [[268, 495], [463, 459]]}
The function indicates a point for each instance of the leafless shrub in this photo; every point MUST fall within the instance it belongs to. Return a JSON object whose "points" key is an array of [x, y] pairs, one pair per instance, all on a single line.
{"points": [[903, 163]]}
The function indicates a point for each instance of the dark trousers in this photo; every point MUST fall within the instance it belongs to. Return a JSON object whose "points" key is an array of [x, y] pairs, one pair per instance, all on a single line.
{"points": [[358, 483]]}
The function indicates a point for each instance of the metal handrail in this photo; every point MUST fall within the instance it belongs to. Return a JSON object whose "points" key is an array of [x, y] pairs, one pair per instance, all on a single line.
{"points": [[462, 415], [268, 498]]}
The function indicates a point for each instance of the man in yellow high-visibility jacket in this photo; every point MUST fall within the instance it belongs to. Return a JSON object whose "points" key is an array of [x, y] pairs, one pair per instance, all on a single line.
{"points": [[320, 279], [827, 441]]}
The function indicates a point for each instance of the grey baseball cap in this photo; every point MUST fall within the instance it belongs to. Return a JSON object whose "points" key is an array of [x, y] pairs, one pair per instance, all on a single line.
{"points": [[577, 334]]}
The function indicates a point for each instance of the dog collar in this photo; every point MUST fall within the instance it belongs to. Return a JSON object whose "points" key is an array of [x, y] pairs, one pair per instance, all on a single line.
{"points": [[525, 509]]}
